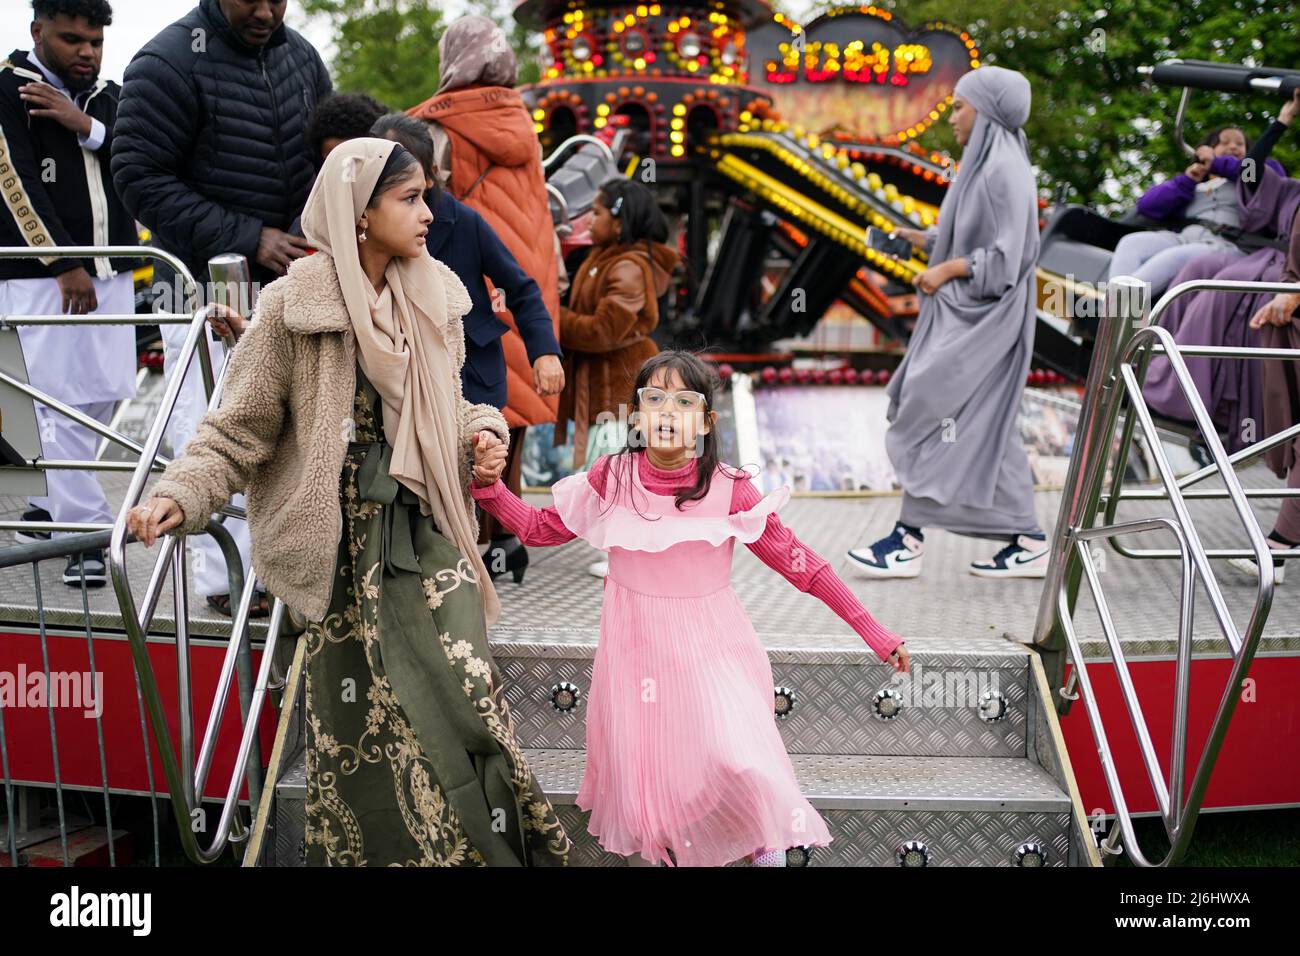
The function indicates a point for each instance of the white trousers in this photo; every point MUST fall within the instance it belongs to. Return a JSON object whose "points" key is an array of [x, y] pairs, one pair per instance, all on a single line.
{"points": [[89, 368], [72, 496]]}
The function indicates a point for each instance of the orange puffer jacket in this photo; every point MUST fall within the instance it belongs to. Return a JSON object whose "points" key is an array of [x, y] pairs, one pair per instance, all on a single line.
{"points": [[496, 169]]}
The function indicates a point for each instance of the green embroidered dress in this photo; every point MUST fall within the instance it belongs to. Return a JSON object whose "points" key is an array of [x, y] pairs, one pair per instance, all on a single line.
{"points": [[411, 751]]}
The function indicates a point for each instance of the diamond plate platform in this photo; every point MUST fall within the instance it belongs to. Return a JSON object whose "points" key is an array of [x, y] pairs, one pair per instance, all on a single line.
{"points": [[970, 789], [967, 811], [559, 602], [859, 839], [835, 691], [287, 846], [843, 782]]}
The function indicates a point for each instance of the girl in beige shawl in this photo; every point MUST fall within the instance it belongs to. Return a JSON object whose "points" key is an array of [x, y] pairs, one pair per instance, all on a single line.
{"points": [[343, 418]]}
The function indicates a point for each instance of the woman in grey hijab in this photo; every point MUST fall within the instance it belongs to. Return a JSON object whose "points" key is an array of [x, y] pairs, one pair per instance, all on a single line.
{"points": [[953, 438]]}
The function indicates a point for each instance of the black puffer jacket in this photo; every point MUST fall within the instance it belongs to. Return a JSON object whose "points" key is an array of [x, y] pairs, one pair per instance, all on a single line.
{"points": [[210, 143]]}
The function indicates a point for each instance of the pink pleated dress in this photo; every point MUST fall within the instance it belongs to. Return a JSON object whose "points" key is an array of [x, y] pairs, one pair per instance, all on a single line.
{"points": [[683, 752]]}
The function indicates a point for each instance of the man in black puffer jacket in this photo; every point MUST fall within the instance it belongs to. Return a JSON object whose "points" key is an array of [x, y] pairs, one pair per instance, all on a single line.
{"points": [[209, 149], [211, 153]]}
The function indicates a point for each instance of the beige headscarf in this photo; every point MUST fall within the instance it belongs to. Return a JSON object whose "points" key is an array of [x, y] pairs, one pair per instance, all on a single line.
{"points": [[400, 346], [474, 50]]}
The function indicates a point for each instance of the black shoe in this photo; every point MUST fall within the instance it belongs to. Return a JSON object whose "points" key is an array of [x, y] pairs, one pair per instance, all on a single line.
{"points": [[897, 556], [33, 537], [506, 554], [89, 565]]}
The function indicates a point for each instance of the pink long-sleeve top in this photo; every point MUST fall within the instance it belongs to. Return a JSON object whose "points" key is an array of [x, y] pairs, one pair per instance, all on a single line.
{"points": [[778, 547]]}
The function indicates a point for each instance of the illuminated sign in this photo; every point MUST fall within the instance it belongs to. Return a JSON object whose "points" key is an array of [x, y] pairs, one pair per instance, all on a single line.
{"points": [[859, 70], [855, 62]]}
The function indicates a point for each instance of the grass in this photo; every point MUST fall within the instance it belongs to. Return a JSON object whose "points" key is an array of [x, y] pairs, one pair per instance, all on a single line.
{"points": [[1249, 838]]}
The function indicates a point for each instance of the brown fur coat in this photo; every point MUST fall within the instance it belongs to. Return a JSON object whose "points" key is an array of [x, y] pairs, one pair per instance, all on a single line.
{"points": [[283, 427]]}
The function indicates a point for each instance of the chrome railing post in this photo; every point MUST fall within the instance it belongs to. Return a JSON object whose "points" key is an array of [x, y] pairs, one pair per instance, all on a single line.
{"points": [[1127, 300], [1115, 383], [185, 783]]}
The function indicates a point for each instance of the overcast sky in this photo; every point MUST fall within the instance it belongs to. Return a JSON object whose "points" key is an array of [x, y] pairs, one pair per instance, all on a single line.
{"points": [[135, 22]]}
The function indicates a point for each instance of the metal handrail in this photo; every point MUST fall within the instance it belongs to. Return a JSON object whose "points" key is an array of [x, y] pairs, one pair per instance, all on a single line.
{"points": [[186, 782], [575, 142], [1258, 448], [1127, 339]]}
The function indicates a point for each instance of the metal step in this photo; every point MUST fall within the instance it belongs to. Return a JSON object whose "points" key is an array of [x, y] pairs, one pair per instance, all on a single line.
{"points": [[287, 845], [965, 811], [965, 698]]}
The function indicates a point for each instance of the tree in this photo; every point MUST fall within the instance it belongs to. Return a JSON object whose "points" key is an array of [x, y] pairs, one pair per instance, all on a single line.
{"points": [[387, 48], [1098, 128]]}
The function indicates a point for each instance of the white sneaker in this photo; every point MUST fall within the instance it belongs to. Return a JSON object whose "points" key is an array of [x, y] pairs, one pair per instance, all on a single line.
{"points": [[897, 556], [1025, 557], [1248, 565], [598, 568]]}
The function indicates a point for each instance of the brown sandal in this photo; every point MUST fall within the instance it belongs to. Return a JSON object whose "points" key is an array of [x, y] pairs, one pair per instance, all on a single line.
{"points": [[263, 606], [221, 604]]}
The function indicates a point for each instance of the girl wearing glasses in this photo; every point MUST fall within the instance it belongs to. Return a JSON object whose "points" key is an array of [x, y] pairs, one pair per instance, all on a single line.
{"points": [[684, 760]]}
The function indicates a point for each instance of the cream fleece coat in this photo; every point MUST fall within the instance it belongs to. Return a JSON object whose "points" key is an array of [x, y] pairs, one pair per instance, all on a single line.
{"points": [[282, 430]]}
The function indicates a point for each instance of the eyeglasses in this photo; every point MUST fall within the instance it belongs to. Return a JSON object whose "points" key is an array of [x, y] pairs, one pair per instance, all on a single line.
{"points": [[657, 398]]}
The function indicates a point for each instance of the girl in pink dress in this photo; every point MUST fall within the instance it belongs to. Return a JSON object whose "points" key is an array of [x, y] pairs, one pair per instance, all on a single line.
{"points": [[683, 752]]}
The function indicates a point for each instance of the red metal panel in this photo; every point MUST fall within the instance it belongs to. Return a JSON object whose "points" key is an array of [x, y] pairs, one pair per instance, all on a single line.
{"points": [[27, 728], [1257, 765]]}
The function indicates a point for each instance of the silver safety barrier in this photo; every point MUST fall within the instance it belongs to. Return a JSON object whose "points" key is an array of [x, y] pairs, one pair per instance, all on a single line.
{"points": [[1127, 339], [185, 775]]}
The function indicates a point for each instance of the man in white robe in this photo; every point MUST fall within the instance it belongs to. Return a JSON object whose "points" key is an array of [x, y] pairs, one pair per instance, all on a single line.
{"points": [[56, 119]]}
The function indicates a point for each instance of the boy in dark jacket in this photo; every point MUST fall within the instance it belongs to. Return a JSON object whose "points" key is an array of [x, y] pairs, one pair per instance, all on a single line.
{"points": [[464, 240]]}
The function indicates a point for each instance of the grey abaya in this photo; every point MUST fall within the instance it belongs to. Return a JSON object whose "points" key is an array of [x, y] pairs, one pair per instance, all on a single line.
{"points": [[953, 438]]}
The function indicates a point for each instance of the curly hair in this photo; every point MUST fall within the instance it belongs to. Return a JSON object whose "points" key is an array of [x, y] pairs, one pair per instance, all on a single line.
{"points": [[98, 12], [342, 116]]}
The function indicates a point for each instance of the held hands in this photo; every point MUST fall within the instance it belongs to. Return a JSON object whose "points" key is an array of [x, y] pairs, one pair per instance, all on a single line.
{"points": [[1197, 171], [1277, 310], [489, 458], [156, 516]]}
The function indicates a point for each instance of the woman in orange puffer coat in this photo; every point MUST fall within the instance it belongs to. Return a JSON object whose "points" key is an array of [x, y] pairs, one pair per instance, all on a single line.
{"points": [[489, 157]]}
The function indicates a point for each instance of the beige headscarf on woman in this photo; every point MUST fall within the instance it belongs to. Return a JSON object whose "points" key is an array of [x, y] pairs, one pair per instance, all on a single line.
{"points": [[400, 346], [474, 50]]}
